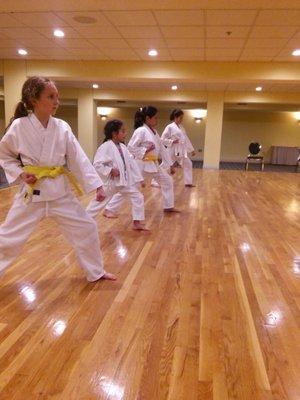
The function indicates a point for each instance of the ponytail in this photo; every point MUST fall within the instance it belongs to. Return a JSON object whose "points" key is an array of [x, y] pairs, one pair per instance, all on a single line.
{"points": [[142, 113], [175, 114]]}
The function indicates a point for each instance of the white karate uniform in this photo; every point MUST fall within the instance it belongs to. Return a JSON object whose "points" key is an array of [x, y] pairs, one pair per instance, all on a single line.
{"points": [[107, 157], [137, 147], [52, 146], [179, 151]]}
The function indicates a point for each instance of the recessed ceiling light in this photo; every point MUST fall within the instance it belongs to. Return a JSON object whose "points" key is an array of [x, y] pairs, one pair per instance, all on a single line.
{"points": [[152, 53], [22, 52], [58, 33], [95, 86], [174, 87], [296, 53], [258, 88]]}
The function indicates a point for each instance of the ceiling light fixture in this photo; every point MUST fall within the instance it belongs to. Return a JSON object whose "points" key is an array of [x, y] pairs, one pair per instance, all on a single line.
{"points": [[296, 53], [258, 88], [152, 53], [22, 52], [58, 33], [174, 87], [95, 86]]}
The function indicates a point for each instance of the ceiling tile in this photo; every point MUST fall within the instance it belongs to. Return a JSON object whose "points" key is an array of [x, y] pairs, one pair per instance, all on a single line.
{"points": [[98, 32], [10, 43], [139, 31], [180, 17], [88, 53], [37, 42], [182, 31], [187, 54], [74, 43], [249, 57], [40, 19], [293, 43], [263, 42], [273, 31], [225, 43], [19, 33], [222, 54], [146, 43], [121, 54], [278, 17], [232, 17], [183, 43], [131, 18], [267, 52], [223, 31], [110, 43], [7, 21]]}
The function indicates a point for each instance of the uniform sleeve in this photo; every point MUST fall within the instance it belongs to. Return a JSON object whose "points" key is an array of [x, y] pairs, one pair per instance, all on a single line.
{"points": [[102, 162], [166, 136], [80, 166], [9, 156], [135, 145], [167, 161]]}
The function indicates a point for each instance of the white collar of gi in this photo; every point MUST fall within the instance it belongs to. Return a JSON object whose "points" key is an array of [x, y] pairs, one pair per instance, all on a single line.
{"points": [[37, 123], [149, 129]]}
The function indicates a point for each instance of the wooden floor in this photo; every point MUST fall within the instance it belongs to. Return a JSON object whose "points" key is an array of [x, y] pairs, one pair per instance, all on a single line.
{"points": [[206, 305]]}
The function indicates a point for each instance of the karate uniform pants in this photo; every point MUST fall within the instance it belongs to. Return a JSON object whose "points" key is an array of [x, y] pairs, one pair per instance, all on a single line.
{"points": [[76, 225], [119, 192], [166, 183], [187, 167]]}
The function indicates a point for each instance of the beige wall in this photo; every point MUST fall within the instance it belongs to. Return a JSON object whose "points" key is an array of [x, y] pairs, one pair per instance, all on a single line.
{"points": [[240, 128], [67, 113]]}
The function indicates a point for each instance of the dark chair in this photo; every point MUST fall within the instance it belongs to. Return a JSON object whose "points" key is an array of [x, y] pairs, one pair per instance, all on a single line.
{"points": [[254, 156]]}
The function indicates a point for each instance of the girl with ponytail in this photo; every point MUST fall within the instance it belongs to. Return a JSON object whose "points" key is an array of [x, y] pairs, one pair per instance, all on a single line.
{"points": [[147, 148], [179, 145], [33, 152]]}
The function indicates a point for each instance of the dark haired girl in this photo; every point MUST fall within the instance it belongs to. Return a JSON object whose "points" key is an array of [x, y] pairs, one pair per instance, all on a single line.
{"points": [[146, 147], [179, 145], [120, 174]]}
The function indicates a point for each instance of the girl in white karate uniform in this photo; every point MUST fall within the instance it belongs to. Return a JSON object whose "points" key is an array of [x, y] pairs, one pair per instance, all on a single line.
{"points": [[33, 152], [179, 145], [119, 173], [146, 147]]}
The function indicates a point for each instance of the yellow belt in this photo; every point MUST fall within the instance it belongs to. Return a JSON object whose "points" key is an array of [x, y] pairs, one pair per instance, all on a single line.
{"points": [[48, 172], [150, 157]]}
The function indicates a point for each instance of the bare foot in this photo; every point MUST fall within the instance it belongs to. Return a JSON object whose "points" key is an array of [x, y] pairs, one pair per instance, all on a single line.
{"points": [[173, 209], [109, 277], [138, 226], [109, 214], [190, 185]]}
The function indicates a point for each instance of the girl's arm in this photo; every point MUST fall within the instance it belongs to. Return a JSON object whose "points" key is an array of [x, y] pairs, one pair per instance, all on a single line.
{"points": [[135, 146], [9, 154], [79, 164], [166, 137]]}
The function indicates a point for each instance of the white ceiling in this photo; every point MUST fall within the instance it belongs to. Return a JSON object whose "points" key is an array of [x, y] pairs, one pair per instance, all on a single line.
{"points": [[180, 31]]}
